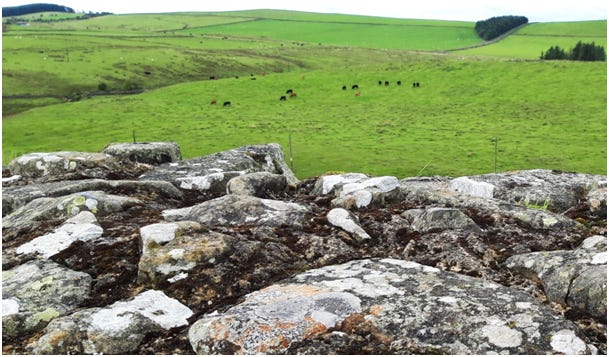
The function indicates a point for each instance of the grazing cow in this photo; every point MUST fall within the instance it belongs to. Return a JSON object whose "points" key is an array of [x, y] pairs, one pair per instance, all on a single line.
{"points": [[253, 78], [147, 73], [399, 83], [357, 94], [226, 104], [289, 91], [386, 83], [212, 77], [414, 84], [344, 87], [355, 86], [213, 102], [380, 82], [293, 95], [282, 98]]}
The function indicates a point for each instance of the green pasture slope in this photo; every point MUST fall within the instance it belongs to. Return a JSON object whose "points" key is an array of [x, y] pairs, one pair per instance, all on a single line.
{"points": [[529, 41], [545, 114]]}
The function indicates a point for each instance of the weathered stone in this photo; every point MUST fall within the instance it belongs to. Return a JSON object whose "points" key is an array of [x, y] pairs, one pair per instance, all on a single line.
{"points": [[331, 184], [115, 329], [18, 196], [42, 209], [577, 278], [231, 210], [64, 164], [153, 153], [201, 173], [435, 193], [354, 190], [343, 219], [392, 301], [472, 187], [174, 260], [560, 190], [83, 226], [37, 292], [258, 184], [438, 219]]}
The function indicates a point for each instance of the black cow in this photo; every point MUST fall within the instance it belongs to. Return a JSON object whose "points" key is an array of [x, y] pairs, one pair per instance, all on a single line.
{"points": [[289, 91], [380, 82], [253, 78], [399, 83], [212, 78], [386, 83], [226, 104], [282, 98], [355, 86], [344, 87]]}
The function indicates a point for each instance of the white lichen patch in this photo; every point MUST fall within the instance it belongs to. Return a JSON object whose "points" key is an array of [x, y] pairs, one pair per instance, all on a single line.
{"points": [[178, 277], [471, 187], [71, 231], [176, 253], [502, 335], [328, 182], [9, 307], [565, 341], [410, 265], [591, 242], [158, 233], [155, 305], [382, 184], [448, 300], [200, 182], [600, 258]]}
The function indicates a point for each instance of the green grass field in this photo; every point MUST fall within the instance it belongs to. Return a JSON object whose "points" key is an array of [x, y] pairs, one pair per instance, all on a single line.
{"points": [[545, 114]]}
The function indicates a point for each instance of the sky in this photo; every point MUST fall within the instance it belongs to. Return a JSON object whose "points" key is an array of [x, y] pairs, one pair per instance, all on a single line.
{"points": [[466, 10]]}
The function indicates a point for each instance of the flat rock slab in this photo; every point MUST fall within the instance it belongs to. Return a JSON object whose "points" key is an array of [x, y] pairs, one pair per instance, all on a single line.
{"points": [[64, 163], [356, 190], [37, 292], [212, 172], [232, 210], [115, 329], [153, 153], [40, 209], [560, 190], [576, 278], [396, 301], [18, 196]]}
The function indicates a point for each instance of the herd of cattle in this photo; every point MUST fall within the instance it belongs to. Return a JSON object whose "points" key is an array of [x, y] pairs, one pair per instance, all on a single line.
{"points": [[291, 94]]}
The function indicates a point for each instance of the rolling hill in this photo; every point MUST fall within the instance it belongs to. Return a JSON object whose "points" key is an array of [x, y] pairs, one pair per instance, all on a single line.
{"points": [[539, 111]]}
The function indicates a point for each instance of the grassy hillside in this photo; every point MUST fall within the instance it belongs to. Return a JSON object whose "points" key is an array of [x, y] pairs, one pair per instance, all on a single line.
{"points": [[529, 41], [444, 127], [540, 112]]}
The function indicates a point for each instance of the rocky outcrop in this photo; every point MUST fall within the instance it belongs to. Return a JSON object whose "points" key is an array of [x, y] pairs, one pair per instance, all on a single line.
{"points": [[35, 293], [115, 329], [153, 153], [231, 253], [577, 278], [399, 303]]}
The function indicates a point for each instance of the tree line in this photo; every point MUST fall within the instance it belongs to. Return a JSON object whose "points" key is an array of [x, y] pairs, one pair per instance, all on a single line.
{"points": [[496, 26], [33, 8], [581, 52]]}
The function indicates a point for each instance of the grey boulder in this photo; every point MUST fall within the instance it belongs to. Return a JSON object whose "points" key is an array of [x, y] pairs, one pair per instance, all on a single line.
{"points": [[397, 302], [37, 292]]}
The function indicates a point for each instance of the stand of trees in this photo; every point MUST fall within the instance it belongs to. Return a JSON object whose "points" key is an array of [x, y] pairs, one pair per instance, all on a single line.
{"points": [[33, 8], [581, 52], [497, 26]]}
